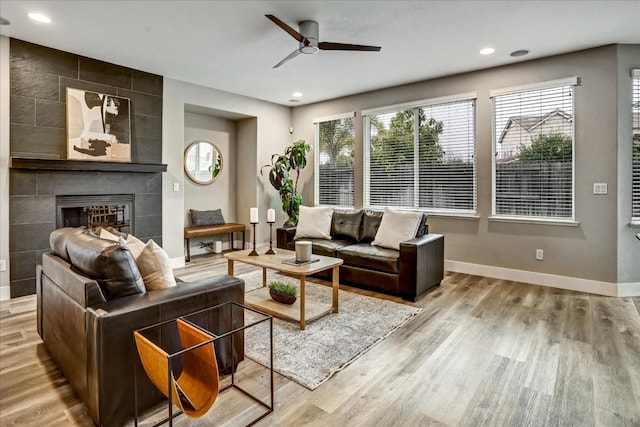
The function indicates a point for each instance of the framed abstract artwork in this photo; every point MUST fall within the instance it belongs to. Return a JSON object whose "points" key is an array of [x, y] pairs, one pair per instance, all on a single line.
{"points": [[98, 126]]}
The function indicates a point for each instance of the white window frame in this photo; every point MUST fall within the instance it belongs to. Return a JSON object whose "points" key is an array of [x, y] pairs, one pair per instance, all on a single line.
{"points": [[569, 81], [316, 146], [467, 96], [635, 194]]}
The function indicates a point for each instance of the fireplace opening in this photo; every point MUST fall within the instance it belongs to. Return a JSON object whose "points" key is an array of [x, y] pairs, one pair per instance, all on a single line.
{"points": [[95, 211]]}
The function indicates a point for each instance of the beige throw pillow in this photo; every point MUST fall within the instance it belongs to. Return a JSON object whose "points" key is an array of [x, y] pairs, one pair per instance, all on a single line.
{"points": [[155, 267], [134, 244], [396, 227], [314, 223], [104, 234]]}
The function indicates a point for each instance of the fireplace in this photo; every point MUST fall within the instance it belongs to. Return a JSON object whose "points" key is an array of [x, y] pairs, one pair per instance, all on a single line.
{"points": [[93, 211], [39, 171], [44, 197]]}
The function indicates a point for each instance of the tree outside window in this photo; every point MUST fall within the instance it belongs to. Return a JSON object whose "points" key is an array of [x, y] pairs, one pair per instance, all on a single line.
{"points": [[335, 162]]}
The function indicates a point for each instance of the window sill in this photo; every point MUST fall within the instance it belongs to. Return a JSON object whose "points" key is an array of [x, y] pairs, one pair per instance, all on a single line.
{"points": [[439, 214], [453, 215], [540, 221]]}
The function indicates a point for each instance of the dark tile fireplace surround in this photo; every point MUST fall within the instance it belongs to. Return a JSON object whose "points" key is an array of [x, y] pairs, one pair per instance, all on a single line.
{"points": [[40, 177], [33, 211]]}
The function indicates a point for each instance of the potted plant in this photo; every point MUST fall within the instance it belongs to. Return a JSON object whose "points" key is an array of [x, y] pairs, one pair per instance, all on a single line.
{"points": [[294, 159], [283, 292], [215, 168]]}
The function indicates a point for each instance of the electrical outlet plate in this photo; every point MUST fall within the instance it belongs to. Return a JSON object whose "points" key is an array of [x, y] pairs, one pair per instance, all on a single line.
{"points": [[3, 264], [176, 186], [539, 254]]}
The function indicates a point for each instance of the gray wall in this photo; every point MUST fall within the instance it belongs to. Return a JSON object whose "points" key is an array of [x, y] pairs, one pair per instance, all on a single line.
{"points": [[221, 194], [589, 250], [262, 129], [38, 79]]}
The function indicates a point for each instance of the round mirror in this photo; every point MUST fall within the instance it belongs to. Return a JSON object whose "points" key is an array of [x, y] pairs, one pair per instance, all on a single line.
{"points": [[202, 162]]}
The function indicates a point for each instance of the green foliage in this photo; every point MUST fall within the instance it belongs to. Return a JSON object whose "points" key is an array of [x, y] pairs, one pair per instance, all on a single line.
{"points": [[294, 159], [284, 289], [336, 140], [215, 168], [394, 147], [553, 147]]}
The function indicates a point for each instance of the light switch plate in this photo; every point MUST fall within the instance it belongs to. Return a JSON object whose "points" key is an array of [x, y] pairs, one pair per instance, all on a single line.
{"points": [[176, 186], [600, 188], [3, 264]]}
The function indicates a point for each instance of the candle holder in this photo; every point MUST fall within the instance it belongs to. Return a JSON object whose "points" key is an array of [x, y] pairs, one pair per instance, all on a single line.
{"points": [[270, 251], [254, 252]]}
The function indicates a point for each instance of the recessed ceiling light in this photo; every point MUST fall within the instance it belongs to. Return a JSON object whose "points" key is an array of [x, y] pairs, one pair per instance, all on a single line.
{"points": [[40, 18], [521, 52], [4, 21], [487, 51], [297, 94]]}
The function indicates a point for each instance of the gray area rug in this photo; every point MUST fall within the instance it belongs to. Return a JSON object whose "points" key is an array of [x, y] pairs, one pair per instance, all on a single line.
{"points": [[328, 344]]}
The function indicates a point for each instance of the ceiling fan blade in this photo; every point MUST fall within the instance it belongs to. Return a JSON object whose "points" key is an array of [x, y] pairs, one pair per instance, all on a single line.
{"points": [[296, 35], [290, 56], [346, 46]]}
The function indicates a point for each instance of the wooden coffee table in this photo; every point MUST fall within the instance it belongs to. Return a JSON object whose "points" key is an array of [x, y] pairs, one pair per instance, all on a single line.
{"points": [[299, 311]]}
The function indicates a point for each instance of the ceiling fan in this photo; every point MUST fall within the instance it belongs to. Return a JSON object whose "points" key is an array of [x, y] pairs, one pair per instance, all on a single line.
{"points": [[308, 39]]}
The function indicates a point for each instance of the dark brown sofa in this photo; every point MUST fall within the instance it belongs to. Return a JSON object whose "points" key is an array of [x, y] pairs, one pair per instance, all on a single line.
{"points": [[88, 328], [409, 272]]}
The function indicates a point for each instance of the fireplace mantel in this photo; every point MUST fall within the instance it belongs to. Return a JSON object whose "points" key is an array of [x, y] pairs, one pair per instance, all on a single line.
{"points": [[79, 165]]}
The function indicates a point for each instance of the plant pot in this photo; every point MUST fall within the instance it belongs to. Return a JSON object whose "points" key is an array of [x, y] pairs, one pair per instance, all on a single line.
{"points": [[282, 298]]}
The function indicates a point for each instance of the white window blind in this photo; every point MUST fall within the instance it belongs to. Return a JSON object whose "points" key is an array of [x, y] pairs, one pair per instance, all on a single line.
{"points": [[334, 165], [422, 156], [533, 151], [635, 209]]}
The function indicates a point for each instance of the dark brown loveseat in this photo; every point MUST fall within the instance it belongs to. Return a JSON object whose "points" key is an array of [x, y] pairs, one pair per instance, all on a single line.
{"points": [[409, 272], [88, 328]]}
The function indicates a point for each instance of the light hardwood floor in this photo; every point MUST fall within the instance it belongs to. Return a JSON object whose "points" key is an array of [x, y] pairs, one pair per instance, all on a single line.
{"points": [[483, 352]]}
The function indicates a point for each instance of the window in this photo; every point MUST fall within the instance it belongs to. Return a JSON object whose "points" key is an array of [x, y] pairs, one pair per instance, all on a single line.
{"points": [[533, 146], [635, 199], [334, 163], [422, 155]]}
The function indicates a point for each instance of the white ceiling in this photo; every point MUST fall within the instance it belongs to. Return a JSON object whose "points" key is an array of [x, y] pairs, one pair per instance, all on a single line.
{"points": [[232, 46]]}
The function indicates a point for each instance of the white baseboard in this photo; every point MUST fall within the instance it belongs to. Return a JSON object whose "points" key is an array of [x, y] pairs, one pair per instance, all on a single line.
{"points": [[551, 280], [249, 245], [629, 289], [5, 293]]}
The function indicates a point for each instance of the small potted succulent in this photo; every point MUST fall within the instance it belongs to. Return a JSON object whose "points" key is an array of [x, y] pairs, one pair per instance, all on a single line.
{"points": [[283, 292]]}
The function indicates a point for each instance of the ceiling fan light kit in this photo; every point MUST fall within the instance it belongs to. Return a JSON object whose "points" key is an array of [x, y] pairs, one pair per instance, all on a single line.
{"points": [[309, 40], [309, 44]]}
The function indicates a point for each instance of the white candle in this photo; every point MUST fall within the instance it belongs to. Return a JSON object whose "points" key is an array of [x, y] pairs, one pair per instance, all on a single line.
{"points": [[271, 215], [254, 215]]}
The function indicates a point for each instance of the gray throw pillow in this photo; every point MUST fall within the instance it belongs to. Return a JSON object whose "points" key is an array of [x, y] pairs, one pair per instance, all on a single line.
{"points": [[346, 225], [213, 217]]}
